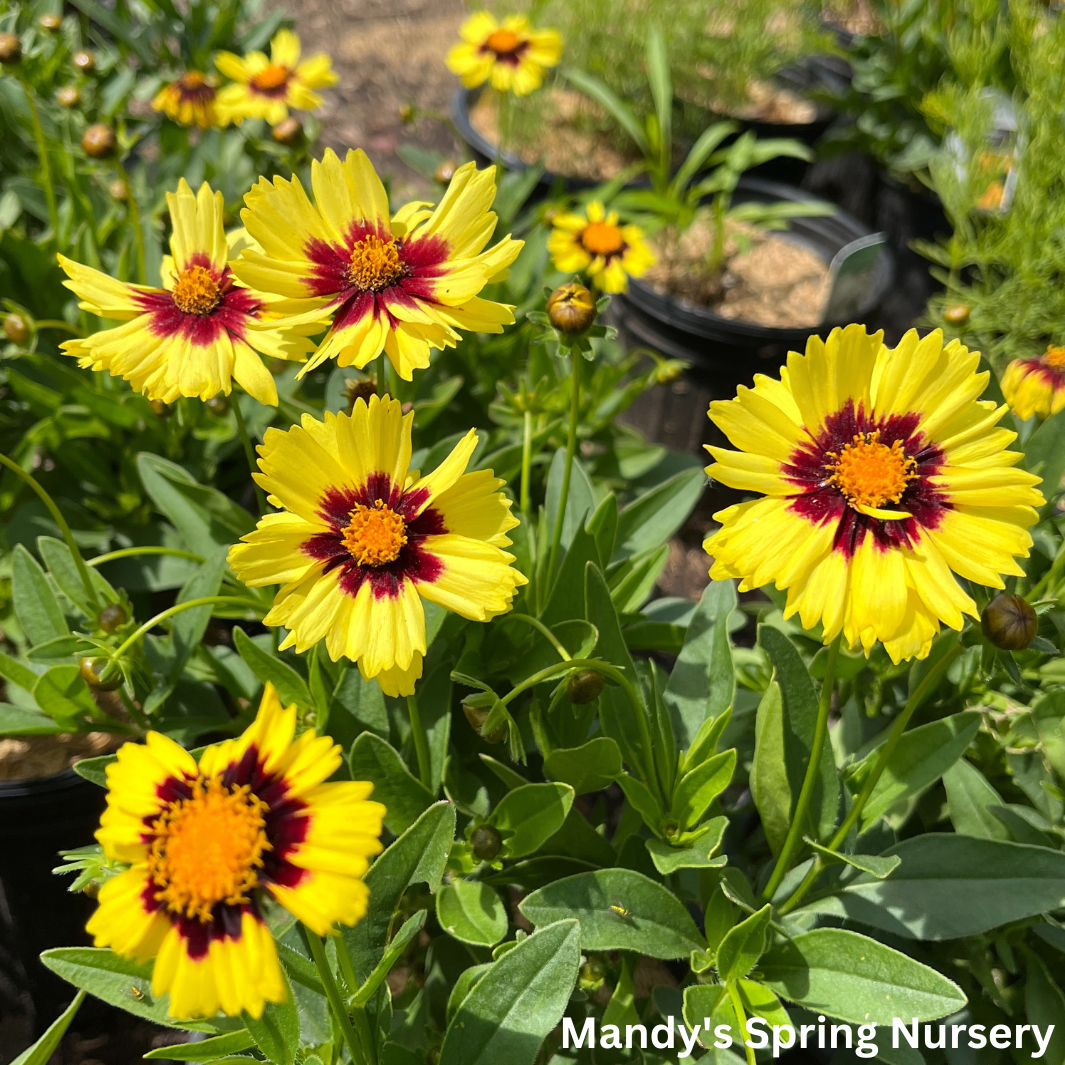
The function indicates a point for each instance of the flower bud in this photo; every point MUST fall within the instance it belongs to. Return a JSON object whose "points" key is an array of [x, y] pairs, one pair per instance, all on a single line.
{"points": [[486, 842], [16, 329], [111, 618], [1009, 622], [84, 61], [118, 190], [160, 409], [584, 686], [288, 131], [407, 114], [445, 171], [593, 973], [476, 716], [956, 314], [571, 308], [218, 405], [99, 141], [10, 49], [356, 389], [68, 96], [92, 670], [51, 23]]}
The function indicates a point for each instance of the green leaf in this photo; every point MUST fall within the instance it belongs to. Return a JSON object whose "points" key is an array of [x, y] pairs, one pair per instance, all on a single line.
{"points": [[16, 721], [639, 797], [291, 687], [949, 886], [65, 697], [41, 1051], [968, 797], [590, 767], [1044, 454], [699, 787], [36, 607], [580, 503], [277, 1031], [611, 103], [64, 571], [516, 1004], [188, 627], [697, 855], [743, 945], [922, 756], [420, 854], [661, 83], [471, 912], [218, 1046], [205, 517], [649, 521], [857, 979], [119, 981], [702, 683], [408, 930], [787, 719], [405, 797], [532, 814], [867, 863], [16, 673], [652, 920], [1044, 1005]]}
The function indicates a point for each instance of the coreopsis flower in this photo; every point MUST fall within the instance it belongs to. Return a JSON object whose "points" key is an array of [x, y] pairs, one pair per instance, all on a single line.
{"points": [[512, 56], [207, 842], [401, 285], [360, 541], [1036, 386], [879, 472], [193, 336], [190, 100], [267, 88], [595, 244]]}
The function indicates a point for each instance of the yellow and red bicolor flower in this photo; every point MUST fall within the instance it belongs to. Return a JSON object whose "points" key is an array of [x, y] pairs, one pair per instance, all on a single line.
{"points": [[206, 842], [1036, 386], [361, 541], [198, 332], [401, 285], [595, 244], [512, 56], [267, 88], [190, 100], [880, 472]]}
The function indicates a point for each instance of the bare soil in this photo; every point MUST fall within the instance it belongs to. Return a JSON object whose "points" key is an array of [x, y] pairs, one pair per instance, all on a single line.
{"points": [[767, 278], [29, 757]]}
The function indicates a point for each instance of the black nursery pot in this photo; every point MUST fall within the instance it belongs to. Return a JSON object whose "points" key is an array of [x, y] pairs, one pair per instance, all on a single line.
{"points": [[38, 818], [727, 351]]}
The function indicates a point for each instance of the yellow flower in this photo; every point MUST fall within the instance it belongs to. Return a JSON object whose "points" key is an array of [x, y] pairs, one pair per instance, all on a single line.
{"points": [[189, 100], [267, 88], [1036, 386], [880, 471], [195, 334], [402, 285], [513, 56], [361, 540], [206, 843], [607, 252]]}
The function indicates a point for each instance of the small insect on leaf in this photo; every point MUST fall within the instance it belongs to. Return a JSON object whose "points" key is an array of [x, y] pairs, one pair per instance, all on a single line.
{"points": [[136, 992], [617, 908]]}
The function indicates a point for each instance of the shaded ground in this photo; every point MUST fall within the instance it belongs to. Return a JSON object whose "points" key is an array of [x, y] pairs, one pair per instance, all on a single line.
{"points": [[388, 53]]}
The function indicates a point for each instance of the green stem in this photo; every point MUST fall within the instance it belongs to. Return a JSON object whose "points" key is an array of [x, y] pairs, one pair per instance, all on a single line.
{"points": [[793, 840], [571, 448], [931, 679], [1052, 575], [249, 454], [42, 152], [135, 220], [543, 630], [133, 552], [57, 323], [741, 1017], [347, 966], [421, 742], [177, 608], [332, 993], [64, 528], [526, 465]]}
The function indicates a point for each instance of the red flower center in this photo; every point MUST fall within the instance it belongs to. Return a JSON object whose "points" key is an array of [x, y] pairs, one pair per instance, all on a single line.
{"points": [[196, 291]]}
